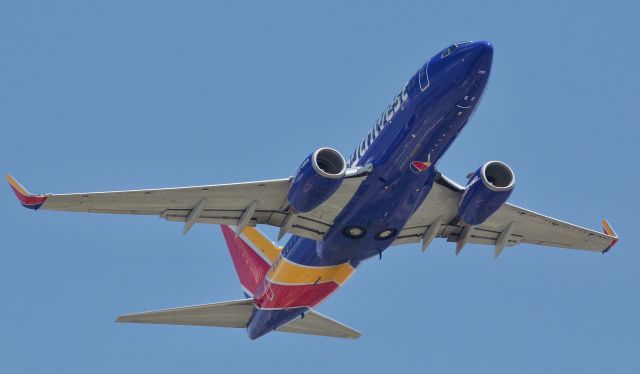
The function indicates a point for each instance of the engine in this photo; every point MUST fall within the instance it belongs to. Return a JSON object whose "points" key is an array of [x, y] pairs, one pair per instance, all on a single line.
{"points": [[317, 178], [488, 188]]}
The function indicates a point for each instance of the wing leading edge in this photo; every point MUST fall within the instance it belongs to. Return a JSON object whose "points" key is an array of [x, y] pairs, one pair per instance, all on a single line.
{"points": [[509, 226], [265, 202], [238, 204]]}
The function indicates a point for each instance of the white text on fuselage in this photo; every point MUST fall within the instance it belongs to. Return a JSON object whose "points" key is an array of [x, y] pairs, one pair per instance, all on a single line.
{"points": [[383, 121]]}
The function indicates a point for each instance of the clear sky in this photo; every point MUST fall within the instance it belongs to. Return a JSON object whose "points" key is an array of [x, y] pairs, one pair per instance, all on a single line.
{"points": [[125, 94]]}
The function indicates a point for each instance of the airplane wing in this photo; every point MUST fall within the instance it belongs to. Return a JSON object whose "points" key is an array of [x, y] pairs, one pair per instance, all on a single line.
{"points": [[507, 227], [265, 202], [238, 204]]}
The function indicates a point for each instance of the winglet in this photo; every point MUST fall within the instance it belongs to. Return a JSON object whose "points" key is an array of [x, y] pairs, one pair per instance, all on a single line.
{"points": [[609, 231], [27, 199]]}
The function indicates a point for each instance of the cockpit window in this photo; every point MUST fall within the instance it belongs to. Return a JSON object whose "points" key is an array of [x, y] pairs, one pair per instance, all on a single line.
{"points": [[447, 52], [458, 44]]}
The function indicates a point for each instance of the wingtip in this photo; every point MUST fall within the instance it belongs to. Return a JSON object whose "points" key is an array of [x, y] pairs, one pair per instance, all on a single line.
{"points": [[26, 198], [608, 230], [16, 186], [126, 318]]}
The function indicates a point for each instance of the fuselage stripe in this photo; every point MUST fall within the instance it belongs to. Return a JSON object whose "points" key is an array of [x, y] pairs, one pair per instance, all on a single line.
{"points": [[266, 246], [288, 272]]}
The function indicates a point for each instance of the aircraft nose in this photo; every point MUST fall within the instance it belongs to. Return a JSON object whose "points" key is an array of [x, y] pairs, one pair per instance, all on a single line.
{"points": [[478, 50], [463, 56]]}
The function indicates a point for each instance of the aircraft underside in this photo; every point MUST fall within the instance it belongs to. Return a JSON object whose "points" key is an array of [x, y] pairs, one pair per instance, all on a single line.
{"points": [[340, 213]]}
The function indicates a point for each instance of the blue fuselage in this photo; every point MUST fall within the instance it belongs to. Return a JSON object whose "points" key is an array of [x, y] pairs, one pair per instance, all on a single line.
{"points": [[419, 125], [403, 149]]}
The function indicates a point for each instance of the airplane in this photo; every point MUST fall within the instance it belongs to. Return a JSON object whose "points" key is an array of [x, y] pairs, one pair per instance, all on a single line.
{"points": [[342, 212]]}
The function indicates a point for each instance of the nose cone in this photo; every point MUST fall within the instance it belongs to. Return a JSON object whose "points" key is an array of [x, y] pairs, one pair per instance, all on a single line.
{"points": [[481, 45], [469, 62], [460, 62], [480, 50]]}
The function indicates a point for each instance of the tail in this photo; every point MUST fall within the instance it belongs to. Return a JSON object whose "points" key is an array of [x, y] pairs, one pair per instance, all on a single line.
{"points": [[237, 313], [252, 254]]}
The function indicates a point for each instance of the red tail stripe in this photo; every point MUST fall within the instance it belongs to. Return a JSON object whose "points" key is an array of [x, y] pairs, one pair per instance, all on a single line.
{"points": [[282, 296], [251, 268]]}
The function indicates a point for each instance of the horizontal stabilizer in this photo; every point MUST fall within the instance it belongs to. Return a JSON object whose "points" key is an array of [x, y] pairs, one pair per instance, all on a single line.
{"points": [[226, 314], [315, 323], [237, 313]]}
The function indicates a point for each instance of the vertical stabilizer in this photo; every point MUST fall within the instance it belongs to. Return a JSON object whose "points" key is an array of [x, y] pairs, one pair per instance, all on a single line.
{"points": [[252, 254]]}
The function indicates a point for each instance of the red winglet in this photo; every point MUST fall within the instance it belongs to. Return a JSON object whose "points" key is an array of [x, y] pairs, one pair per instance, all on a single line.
{"points": [[609, 231], [27, 199]]}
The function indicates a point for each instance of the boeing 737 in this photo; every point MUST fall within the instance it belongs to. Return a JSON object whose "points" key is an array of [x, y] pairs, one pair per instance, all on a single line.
{"points": [[341, 212]]}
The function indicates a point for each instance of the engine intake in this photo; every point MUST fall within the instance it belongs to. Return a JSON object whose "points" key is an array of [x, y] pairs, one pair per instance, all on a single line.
{"points": [[488, 188], [497, 176], [318, 177]]}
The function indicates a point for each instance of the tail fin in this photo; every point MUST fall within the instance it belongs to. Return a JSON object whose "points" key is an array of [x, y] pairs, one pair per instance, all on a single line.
{"points": [[252, 254]]}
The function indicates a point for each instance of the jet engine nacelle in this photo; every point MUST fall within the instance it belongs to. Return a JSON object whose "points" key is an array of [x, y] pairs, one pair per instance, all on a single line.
{"points": [[317, 178], [488, 188]]}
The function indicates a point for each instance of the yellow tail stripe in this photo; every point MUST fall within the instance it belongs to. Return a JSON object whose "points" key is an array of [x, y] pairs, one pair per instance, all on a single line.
{"points": [[270, 250], [287, 272]]}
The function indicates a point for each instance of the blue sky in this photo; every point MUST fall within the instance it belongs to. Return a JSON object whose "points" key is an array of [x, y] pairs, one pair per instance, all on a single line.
{"points": [[127, 94]]}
